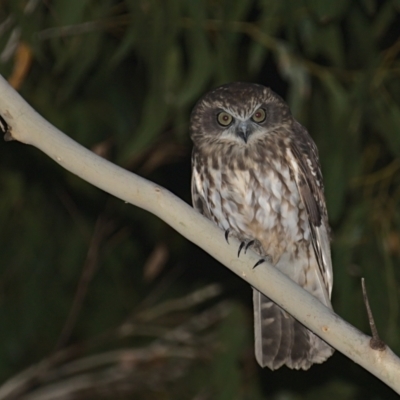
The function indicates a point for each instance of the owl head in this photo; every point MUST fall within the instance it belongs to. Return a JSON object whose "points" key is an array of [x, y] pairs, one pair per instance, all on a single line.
{"points": [[237, 113]]}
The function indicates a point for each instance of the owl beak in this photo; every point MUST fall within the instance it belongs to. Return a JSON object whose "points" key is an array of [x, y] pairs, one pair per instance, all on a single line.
{"points": [[243, 131]]}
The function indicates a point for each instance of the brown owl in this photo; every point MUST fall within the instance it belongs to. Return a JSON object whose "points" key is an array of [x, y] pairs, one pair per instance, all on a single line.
{"points": [[256, 174]]}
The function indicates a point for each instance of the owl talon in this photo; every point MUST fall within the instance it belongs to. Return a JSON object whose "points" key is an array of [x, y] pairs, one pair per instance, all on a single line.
{"points": [[248, 245], [227, 235], [241, 248], [259, 262]]}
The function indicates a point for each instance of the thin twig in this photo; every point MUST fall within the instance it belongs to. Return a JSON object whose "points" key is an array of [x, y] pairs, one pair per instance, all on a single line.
{"points": [[376, 342], [63, 367], [184, 303], [102, 229], [107, 373]]}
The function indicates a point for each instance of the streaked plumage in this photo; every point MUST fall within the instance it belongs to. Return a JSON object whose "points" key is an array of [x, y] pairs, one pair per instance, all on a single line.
{"points": [[256, 172]]}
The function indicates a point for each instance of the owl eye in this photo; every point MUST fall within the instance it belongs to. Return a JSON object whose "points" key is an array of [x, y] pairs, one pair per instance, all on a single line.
{"points": [[259, 116], [224, 118]]}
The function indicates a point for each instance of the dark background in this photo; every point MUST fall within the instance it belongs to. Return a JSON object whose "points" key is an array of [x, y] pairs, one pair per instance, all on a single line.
{"points": [[102, 297]]}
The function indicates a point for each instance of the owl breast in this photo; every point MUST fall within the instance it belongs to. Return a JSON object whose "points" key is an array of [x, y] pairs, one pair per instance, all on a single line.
{"points": [[261, 202]]}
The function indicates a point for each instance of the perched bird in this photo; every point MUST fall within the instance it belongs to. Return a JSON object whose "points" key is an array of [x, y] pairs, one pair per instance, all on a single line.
{"points": [[256, 174]]}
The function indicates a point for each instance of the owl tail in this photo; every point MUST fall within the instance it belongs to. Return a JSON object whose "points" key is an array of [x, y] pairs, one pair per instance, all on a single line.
{"points": [[281, 340]]}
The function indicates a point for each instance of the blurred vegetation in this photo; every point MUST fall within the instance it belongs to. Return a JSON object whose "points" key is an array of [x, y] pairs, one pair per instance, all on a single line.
{"points": [[107, 300]]}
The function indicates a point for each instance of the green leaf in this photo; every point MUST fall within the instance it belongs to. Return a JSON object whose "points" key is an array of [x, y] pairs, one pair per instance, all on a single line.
{"points": [[361, 42], [369, 6], [200, 61], [295, 72], [69, 12], [383, 20], [236, 10], [154, 118], [327, 10], [226, 368], [333, 124], [387, 122]]}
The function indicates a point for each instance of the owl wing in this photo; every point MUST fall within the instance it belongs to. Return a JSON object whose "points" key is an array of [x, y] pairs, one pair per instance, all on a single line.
{"points": [[198, 187], [307, 172]]}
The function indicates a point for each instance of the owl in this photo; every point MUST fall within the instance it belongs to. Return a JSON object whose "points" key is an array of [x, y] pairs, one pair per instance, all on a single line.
{"points": [[256, 174]]}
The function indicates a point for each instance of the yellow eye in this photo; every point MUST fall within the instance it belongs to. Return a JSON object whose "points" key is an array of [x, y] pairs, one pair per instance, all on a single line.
{"points": [[259, 116], [224, 118]]}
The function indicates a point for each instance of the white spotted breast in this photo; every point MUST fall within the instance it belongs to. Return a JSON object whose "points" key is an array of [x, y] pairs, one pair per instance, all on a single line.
{"points": [[261, 203]]}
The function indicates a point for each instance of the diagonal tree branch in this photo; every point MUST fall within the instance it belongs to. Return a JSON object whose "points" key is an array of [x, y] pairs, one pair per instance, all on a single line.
{"points": [[27, 126]]}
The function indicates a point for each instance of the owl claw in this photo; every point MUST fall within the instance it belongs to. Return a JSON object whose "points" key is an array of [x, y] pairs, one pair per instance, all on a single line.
{"points": [[259, 262], [241, 247], [248, 245], [227, 235]]}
